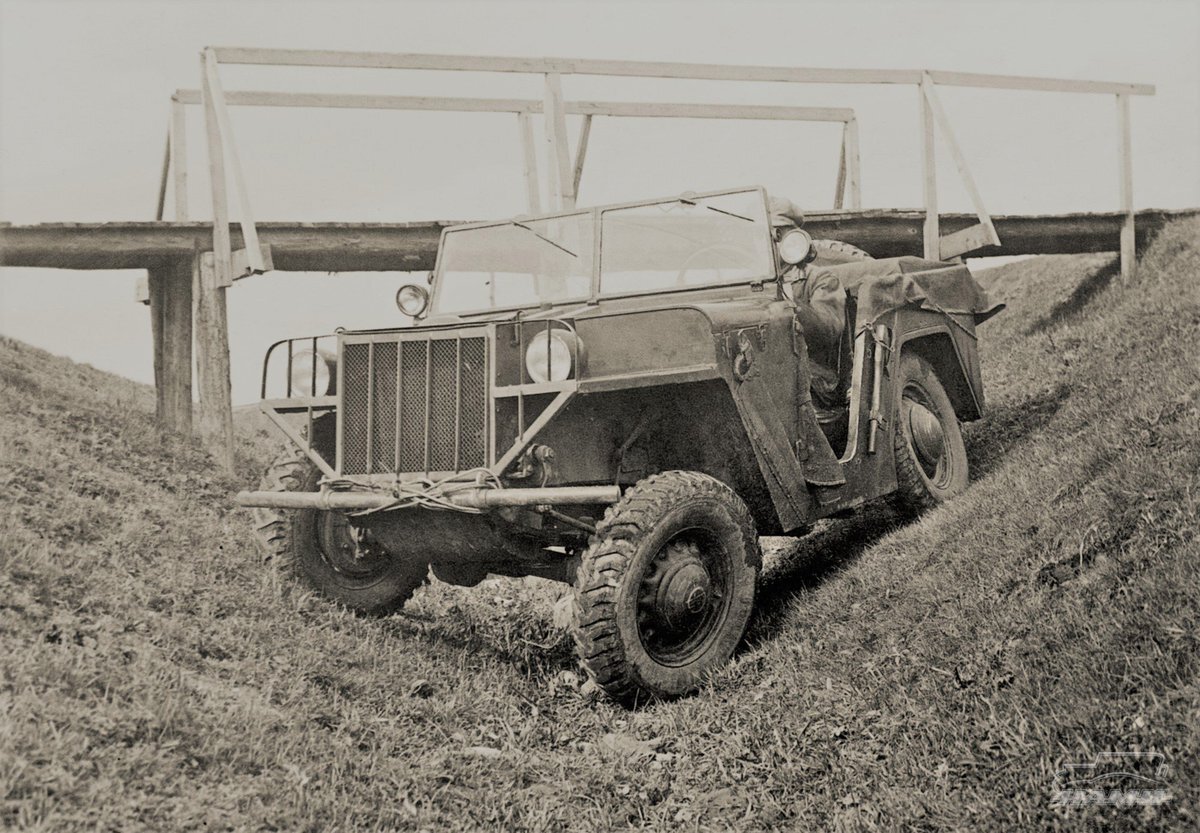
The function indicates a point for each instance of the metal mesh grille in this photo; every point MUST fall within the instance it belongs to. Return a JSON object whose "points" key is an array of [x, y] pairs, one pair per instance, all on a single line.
{"points": [[428, 405], [354, 408]]}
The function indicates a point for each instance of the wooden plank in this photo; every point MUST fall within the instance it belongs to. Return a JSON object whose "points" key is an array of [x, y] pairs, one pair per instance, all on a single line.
{"points": [[661, 69], [1021, 82], [561, 66], [212, 362], [853, 164], [928, 177], [393, 247], [970, 239], [221, 245], [156, 292], [1125, 159], [839, 188], [585, 131], [529, 159], [176, 384], [631, 109], [179, 163], [960, 161], [558, 159], [162, 182], [225, 126]]}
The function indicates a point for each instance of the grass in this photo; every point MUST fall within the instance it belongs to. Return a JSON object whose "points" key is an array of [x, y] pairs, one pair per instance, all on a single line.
{"points": [[925, 676]]}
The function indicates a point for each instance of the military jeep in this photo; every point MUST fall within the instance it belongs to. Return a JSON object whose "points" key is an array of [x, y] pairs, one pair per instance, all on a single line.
{"points": [[621, 398]]}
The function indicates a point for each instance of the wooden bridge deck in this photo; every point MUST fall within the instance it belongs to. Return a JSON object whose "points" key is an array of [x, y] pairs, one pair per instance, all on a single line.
{"points": [[355, 247]]}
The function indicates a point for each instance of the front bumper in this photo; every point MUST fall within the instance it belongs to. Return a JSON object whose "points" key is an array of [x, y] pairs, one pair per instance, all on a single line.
{"points": [[472, 498]]}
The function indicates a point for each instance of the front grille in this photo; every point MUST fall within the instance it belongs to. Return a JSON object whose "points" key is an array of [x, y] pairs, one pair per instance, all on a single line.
{"points": [[414, 405]]}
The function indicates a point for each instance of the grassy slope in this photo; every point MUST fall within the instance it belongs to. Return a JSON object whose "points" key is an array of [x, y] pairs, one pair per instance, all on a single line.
{"points": [[933, 675]]}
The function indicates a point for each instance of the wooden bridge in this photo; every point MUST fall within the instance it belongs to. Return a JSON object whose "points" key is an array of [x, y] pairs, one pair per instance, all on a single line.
{"points": [[191, 264]]}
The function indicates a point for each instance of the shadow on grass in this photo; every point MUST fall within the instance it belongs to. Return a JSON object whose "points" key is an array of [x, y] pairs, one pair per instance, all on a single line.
{"points": [[810, 561], [1004, 426], [1078, 300]]}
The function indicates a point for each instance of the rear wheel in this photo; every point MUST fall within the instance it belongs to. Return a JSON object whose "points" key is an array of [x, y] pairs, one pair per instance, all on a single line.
{"points": [[931, 458], [835, 251], [323, 549], [665, 591]]}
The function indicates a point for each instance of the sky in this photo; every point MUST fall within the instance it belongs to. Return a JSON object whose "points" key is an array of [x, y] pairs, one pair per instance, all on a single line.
{"points": [[85, 88]]}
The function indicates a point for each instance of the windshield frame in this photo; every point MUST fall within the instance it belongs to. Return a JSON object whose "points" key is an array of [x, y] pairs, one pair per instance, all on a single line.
{"points": [[594, 296]]}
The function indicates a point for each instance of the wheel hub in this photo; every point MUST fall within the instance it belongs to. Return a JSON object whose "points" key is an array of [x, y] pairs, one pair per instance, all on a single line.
{"points": [[929, 440], [345, 548], [680, 591]]}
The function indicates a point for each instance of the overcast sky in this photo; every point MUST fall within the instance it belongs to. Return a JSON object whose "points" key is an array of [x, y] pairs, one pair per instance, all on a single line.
{"points": [[85, 87]]}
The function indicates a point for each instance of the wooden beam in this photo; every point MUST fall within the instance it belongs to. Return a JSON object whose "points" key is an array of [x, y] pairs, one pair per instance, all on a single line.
{"points": [[660, 69], [970, 239], [585, 131], [221, 245], [560, 66], [931, 247], [529, 160], [629, 109], [853, 164], [162, 182], [225, 126], [964, 171], [1021, 82], [171, 327], [1125, 158], [558, 159], [212, 361], [839, 188], [179, 163], [410, 247]]}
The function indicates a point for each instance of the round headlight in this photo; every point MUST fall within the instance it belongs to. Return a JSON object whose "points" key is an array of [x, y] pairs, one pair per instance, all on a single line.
{"points": [[795, 247], [551, 356], [412, 299], [312, 374]]}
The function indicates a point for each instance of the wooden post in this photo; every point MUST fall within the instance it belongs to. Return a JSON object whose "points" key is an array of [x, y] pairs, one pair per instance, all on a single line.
{"points": [[212, 360], [932, 248], [222, 248], [162, 183], [171, 325], [179, 159], [1128, 252], [853, 175], [839, 187], [560, 179], [529, 155]]}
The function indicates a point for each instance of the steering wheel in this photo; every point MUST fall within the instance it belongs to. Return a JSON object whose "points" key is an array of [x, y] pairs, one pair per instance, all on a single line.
{"points": [[739, 254]]}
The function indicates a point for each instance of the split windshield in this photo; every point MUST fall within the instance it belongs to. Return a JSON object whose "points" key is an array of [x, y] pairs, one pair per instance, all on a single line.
{"points": [[678, 243]]}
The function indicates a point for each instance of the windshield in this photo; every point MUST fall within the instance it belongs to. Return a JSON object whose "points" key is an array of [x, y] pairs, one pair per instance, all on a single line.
{"points": [[517, 264], [685, 243]]}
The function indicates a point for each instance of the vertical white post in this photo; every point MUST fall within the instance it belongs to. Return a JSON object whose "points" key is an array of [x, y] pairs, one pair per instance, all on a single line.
{"points": [[929, 174], [560, 177], [179, 157], [585, 132], [853, 176], [529, 156], [1128, 252], [839, 187], [222, 248]]}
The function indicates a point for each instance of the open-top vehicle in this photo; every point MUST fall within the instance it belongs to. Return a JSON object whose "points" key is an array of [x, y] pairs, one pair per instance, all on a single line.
{"points": [[623, 398]]}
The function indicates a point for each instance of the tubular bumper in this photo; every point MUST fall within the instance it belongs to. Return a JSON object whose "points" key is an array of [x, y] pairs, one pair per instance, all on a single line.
{"points": [[351, 501]]}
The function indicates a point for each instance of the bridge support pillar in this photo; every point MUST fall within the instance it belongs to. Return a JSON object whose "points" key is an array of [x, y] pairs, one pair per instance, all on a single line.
{"points": [[212, 360], [170, 290]]}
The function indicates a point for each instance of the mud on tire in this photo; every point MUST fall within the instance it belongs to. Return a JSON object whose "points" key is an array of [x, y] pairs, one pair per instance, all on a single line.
{"points": [[315, 546], [665, 590]]}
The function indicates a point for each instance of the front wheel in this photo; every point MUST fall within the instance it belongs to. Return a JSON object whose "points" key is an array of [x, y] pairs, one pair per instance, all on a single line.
{"points": [[322, 549], [931, 458], [665, 591]]}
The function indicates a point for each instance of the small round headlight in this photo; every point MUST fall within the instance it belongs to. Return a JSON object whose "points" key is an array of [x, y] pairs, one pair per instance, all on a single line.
{"points": [[795, 247], [312, 374], [412, 299], [551, 356]]}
